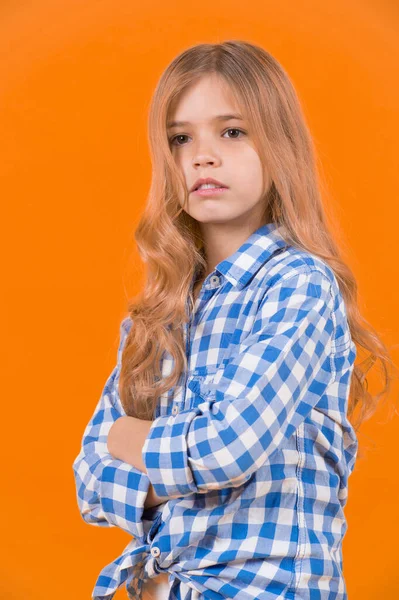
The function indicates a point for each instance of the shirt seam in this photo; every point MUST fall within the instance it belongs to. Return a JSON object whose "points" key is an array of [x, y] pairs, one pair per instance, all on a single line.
{"points": [[302, 530]]}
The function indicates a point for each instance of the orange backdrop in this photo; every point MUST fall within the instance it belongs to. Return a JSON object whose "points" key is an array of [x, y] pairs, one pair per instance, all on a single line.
{"points": [[76, 81]]}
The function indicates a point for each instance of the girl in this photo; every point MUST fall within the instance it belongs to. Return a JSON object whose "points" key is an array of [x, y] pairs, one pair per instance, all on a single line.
{"points": [[226, 433]]}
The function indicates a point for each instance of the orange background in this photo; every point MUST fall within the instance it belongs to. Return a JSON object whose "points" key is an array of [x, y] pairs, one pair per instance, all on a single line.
{"points": [[76, 82]]}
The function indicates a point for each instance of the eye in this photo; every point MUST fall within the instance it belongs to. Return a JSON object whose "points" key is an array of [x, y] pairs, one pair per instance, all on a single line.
{"points": [[172, 139], [183, 135], [235, 129]]}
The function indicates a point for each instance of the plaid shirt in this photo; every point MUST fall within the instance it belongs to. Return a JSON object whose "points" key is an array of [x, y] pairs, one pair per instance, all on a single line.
{"points": [[252, 447]]}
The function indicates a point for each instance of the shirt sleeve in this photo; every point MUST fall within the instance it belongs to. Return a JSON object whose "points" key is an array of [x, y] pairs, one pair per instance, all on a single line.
{"points": [[267, 388], [110, 492]]}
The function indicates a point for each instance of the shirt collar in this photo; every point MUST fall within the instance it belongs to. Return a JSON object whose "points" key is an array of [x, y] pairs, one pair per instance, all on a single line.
{"points": [[245, 262]]}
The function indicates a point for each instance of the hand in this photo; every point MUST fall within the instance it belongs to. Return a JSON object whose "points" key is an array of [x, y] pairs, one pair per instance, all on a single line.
{"points": [[125, 442]]}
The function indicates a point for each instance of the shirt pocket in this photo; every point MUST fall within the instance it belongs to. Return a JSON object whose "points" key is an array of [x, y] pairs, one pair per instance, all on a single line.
{"points": [[200, 384]]}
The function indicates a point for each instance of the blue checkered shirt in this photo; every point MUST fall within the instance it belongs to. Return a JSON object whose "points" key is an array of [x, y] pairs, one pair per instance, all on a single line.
{"points": [[252, 447]]}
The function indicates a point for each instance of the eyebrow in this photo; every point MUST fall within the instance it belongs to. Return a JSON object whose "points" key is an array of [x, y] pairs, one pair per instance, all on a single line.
{"points": [[216, 118]]}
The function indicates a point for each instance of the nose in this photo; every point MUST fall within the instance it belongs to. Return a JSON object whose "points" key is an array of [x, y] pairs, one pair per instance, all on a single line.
{"points": [[203, 160]]}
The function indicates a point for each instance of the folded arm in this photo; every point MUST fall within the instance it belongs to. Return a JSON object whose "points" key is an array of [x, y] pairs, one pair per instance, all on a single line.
{"points": [[266, 390], [125, 442], [110, 492]]}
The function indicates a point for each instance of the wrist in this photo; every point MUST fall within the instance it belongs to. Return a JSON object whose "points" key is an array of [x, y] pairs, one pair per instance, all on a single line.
{"points": [[113, 436]]}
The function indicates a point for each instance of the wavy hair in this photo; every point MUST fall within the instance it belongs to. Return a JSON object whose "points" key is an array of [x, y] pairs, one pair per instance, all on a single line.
{"points": [[169, 239]]}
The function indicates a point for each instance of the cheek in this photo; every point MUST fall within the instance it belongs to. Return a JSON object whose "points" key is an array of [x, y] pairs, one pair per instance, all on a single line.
{"points": [[247, 161], [249, 176]]}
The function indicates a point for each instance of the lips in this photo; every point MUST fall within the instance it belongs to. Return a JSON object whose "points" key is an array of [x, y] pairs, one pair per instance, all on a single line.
{"points": [[207, 180], [211, 192]]}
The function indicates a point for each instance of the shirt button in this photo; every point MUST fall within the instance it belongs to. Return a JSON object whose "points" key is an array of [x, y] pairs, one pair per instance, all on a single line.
{"points": [[175, 409], [215, 280], [155, 551]]}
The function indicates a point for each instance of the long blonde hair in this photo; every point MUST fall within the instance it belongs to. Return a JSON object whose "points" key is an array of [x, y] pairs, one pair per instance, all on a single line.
{"points": [[169, 239]]}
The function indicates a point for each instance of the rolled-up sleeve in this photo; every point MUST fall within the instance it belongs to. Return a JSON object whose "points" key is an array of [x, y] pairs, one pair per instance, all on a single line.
{"points": [[110, 492], [266, 389]]}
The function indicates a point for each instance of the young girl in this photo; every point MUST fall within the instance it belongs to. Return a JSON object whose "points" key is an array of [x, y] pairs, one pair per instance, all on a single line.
{"points": [[226, 433]]}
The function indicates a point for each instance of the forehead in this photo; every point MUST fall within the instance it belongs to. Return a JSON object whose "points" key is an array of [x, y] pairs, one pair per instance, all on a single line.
{"points": [[208, 100]]}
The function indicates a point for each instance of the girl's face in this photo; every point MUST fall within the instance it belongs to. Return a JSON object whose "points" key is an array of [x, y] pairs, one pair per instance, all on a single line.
{"points": [[206, 146]]}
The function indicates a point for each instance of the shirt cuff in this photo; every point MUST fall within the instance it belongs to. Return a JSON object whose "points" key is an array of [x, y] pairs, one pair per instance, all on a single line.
{"points": [[165, 454], [123, 491]]}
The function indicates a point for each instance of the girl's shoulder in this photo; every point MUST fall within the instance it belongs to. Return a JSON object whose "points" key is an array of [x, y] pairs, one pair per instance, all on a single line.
{"points": [[294, 261], [126, 324], [124, 329]]}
